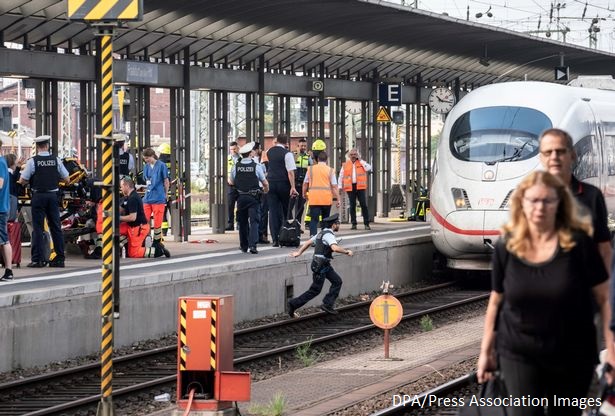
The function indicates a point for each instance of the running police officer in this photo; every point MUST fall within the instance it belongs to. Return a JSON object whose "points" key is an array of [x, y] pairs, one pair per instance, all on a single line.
{"points": [[326, 244], [245, 177], [44, 172]]}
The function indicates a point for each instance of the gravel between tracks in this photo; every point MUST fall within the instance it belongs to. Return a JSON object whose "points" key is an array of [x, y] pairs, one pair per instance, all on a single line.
{"points": [[286, 363]]}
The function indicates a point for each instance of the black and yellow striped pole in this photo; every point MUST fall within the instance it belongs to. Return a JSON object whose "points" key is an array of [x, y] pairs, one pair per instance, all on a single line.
{"points": [[107, 14], [105, 407]]}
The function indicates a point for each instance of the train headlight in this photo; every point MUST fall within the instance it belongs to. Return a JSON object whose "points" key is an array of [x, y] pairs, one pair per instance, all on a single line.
{"points": [[488, 175], [460, 197]]}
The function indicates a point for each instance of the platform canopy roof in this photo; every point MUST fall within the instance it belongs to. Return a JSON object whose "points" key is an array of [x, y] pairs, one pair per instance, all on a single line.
{"points": [[349, 38]]}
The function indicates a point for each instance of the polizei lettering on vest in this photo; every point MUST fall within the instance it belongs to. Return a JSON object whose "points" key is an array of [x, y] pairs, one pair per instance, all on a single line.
{"points": [[245, 169], [46, 163]]}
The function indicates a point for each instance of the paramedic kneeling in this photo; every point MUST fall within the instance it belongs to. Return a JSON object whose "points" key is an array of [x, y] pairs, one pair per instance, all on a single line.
{"points": [[134, 227]]}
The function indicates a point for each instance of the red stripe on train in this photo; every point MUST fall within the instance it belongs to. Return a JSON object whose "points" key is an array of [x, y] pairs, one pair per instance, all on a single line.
{"points": [[458, 230]]}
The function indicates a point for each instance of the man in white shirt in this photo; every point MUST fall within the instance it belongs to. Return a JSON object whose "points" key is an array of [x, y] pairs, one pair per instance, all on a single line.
{"points": [[353, 180]]}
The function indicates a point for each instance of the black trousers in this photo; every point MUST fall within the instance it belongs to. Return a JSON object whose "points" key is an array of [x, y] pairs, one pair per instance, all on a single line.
{"points": [[352, 198], [248, 216], [299, 205], [318, 280], [264, 213], [232, 199], [277, 199], [570, 380], [45, 205]]}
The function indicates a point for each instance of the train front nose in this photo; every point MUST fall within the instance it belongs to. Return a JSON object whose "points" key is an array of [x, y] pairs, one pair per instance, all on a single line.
{"points": [[473, 232]]}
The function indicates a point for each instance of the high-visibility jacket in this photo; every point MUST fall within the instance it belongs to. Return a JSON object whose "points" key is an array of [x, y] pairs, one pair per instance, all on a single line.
{"points": [[320, 185], [347, 178]]}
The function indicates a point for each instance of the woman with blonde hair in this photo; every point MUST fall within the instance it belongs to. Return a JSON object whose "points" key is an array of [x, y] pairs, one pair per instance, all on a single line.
{"points": [[546, 270]]}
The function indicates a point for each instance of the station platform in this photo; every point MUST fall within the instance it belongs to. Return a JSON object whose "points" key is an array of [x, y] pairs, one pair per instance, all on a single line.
{"points": [[336, 384], [53, 314]]}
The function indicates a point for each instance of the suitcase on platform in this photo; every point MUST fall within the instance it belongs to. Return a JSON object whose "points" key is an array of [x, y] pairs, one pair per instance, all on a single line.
{"points": [[14, 231], [290, 233]]}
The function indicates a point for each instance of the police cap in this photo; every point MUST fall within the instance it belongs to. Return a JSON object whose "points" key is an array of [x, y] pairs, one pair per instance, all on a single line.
{"points": [[246, 148], [331, 219], [42, 139]]}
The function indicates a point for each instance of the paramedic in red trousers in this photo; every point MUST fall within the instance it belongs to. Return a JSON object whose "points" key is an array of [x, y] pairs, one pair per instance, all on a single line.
{"points": [[281, 178], [247, 176], [44, 172], [322, 186], [134, 227], [353, 180], [156, 176]]}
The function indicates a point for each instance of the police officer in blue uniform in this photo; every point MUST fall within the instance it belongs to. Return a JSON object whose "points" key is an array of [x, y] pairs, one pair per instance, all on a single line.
{"points": [[325, 245], [245, 177], [44, 172], [126, 159]]}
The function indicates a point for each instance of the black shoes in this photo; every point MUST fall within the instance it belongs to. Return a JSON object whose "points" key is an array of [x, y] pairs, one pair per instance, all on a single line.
{"points": [[353, 227], [367, 227], [243, 250], [8, 276], [229, 228], [291, 310], [328, 309], [253, 250], [160, 250], [95, 255], [276, 243], [37, 264], [56, 263]]}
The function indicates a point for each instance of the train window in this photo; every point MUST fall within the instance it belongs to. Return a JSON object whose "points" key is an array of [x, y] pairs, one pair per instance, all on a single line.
{"points": [[588, 158], [497, 134]]}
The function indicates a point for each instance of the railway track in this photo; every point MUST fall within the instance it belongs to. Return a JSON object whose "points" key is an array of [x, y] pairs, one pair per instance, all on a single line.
{"points": [[154, 371], [460, 387]]}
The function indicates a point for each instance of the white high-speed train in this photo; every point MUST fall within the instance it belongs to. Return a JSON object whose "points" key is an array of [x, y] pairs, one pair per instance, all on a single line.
{"points": [[490, 142]]}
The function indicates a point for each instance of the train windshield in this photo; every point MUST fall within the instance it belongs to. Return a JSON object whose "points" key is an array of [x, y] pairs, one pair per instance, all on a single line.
{"points": [[498, 134]]}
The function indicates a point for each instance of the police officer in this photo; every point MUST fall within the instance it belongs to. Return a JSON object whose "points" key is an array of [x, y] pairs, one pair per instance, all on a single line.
{"points": [[245, 177], [325, 244], [231, 161], [302, 161], [126, 159], [44, 172]]}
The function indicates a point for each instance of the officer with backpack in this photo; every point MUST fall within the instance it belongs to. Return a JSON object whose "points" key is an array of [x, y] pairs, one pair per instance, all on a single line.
{"points": [[325, 244]]}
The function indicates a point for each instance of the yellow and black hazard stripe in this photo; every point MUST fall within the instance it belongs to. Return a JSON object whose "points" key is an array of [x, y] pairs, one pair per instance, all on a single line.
{"points": [[105, 10], [212, 347], [106, 61], [182, 334]]}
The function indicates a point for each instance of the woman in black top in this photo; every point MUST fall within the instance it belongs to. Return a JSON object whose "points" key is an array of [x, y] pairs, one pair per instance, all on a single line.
{"points": [[545, 273]]}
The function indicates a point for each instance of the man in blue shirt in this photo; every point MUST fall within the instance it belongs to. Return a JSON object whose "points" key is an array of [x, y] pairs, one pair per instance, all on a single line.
{"points": [[44, 172], [156, 176]]}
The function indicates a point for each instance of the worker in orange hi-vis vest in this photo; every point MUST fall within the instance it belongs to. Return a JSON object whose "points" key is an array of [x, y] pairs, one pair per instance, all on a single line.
{"points": [[322, 185], [353, 179]]}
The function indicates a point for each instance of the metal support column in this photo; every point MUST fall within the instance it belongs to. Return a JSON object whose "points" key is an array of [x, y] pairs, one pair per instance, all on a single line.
{"points": [[110, 252], [261, 100], [371, 156], [185, 157]]}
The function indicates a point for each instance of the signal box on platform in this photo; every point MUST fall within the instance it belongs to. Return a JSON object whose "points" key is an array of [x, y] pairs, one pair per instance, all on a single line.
{"points": [[205, 354]]}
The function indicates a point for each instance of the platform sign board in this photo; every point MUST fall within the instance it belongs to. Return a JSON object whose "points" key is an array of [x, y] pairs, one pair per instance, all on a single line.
{"points": [[386, 311], [105, 10], [562, 73], [383, 116], [389, 94]]}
